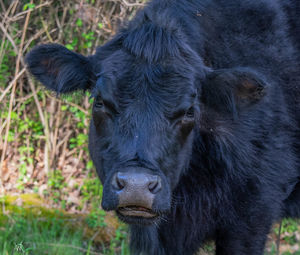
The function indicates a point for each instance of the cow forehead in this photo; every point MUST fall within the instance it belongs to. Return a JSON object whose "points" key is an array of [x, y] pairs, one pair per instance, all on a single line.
{"points": [[140, 96], [134, 80]]}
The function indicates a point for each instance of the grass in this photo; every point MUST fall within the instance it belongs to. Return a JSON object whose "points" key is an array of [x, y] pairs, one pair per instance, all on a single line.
{"points": [[25, 232], [28, 226], [22, 234]]}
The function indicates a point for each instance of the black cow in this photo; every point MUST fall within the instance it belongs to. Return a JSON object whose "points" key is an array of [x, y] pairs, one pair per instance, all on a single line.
{"points": [[195, 127]]}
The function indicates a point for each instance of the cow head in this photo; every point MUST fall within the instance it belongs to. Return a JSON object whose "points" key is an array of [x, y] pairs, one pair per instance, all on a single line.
{"points": [[148, 97]]}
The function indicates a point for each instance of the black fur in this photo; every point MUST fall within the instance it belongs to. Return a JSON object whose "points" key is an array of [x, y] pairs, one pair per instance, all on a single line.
{"points": [[206, 94], [59, 69]]}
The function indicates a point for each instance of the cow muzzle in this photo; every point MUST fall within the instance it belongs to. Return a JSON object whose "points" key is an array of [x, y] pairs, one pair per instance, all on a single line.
{"points": [[136, 193]]}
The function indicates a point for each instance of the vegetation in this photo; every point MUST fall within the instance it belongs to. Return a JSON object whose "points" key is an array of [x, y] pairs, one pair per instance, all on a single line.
{"points": [[28, 227], [49, 192]]}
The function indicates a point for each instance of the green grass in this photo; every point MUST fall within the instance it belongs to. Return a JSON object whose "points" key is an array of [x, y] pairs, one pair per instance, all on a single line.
{"points": [[22, 234], [29, 234]]}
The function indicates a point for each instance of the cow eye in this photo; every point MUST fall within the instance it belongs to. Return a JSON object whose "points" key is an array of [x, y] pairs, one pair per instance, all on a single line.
{"points": [[190, 112]]}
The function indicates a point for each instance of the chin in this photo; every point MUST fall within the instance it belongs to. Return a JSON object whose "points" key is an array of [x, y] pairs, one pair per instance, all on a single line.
{"points": [[138, 216]]}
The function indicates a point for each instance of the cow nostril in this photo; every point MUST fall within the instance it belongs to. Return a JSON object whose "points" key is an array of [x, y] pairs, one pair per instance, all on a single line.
{"points": [[118, 182], [155, 185]]}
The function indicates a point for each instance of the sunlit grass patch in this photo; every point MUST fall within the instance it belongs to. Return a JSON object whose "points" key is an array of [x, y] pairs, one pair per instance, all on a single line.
{"points": [[20, 234], [28, 234], [35, 229]]}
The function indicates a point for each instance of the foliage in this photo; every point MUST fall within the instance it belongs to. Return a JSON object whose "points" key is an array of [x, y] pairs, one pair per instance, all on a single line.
{"points": [[51, 235], [29, 226]]}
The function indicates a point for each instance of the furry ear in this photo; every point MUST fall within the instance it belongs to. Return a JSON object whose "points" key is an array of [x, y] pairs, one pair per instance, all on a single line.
{"points": [[59, 69], [228, 90]]}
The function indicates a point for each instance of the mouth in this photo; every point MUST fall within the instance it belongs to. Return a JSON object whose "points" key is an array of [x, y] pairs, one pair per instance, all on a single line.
{"points": [[137, 211]]}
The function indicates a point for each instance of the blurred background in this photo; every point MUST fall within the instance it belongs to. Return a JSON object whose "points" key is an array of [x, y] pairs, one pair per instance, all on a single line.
{"points": [[50, 195]]}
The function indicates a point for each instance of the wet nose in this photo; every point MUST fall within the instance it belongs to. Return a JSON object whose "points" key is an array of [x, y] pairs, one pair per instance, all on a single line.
{"points": [[136, 189]]}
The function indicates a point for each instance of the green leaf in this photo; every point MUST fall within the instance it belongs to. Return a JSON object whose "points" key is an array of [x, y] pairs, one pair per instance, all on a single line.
{"points": [[69, 46], [89, 164], [100, 25], [28, 6], [64, 107], [79, 22]]}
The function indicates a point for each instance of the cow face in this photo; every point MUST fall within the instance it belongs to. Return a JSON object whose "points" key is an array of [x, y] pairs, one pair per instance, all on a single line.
{"points": [[145, 115], [141, 134]]}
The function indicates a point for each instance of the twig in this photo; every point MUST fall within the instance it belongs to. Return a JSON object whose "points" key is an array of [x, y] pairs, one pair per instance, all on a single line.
{"points": [[54, 142], [63, 153], [46, 29], [11, 9], [2, 5], [40, 111], [69, 103], [46, 158], [6, 34], [19, 100], [75, 167], [30, 10], [68, 154], [94, 235], [64, 140], [132, 4], [25, 98], [61, 24], [37, 35], [12, 83]]}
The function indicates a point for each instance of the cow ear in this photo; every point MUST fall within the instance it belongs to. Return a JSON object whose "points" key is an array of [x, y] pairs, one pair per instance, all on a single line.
{"points": [[230, 90], [60, 69]]}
